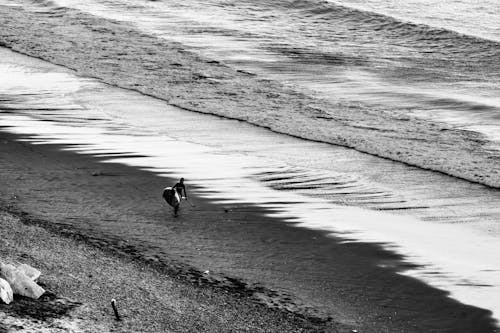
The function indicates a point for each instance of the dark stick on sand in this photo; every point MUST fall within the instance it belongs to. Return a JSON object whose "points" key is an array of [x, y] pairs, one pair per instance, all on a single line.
{"points": [[113, 304]]}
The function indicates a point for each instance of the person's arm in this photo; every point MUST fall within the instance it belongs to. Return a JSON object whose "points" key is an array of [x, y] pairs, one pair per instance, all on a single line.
{"points": [[185, 192]]}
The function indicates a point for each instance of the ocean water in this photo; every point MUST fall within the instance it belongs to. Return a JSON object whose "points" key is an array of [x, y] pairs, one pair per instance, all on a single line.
{"points": [[410, 82], [428, 58], [474, 18], [408, 87]]}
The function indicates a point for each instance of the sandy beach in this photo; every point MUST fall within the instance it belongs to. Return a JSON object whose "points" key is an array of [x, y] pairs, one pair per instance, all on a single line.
{"points": [[105, 208], [81, 280]]}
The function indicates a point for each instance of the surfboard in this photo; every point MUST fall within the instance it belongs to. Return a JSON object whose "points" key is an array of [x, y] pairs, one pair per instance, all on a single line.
{"points": [[171, 197]]}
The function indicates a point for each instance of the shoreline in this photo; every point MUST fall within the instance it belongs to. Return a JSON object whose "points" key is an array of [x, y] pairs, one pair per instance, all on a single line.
{"points": [[191, 82], [355, 282]]}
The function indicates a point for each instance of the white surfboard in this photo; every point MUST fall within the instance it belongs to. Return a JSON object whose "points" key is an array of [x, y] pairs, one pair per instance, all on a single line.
{"points": [[171, 196]]}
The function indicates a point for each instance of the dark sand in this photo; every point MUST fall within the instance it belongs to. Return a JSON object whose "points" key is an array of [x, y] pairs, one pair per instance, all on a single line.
{"points": [[313, 282], [81, 280]]}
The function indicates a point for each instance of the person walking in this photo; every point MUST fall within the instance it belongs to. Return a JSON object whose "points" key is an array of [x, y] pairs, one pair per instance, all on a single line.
{"points": [[180, 188], [173, 195]]}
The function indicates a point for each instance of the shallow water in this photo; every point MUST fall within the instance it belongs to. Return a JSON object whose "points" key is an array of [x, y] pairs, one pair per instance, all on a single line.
{"points": [[448, 226]]}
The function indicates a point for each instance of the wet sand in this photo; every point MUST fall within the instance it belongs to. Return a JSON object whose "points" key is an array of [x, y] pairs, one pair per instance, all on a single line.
{"points": [[79, 292], [119, 209]]}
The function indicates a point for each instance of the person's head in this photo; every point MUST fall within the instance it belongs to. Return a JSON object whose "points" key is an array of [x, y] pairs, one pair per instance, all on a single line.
{"points": [[182, 180]]}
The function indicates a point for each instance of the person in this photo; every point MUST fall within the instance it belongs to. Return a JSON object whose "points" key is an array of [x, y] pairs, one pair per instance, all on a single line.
{"points": [[180, 188]]}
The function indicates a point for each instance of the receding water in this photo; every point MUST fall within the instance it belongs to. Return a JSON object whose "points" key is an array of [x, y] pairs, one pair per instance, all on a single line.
{"points": [[422, 94], [448, 226]]}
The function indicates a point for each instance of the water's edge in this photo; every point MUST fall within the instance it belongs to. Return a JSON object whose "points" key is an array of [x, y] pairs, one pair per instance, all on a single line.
{"points": [[138, 249], [164, 70]]}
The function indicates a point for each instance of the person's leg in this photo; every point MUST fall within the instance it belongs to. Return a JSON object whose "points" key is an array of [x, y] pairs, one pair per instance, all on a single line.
{"points": [[176, 210]]}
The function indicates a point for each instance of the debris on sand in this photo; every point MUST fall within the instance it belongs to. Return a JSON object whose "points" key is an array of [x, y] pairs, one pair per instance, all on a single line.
{"points": [[22, 281], [29, 271], [6, 293]]}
